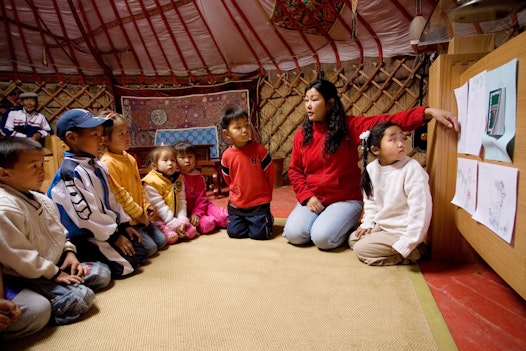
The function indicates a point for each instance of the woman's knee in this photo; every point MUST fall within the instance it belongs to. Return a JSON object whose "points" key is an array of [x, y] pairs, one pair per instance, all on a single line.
{"points": [[298, 226]]}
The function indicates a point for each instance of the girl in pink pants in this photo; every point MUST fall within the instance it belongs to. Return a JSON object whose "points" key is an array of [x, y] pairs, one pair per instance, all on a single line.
{"points": [[203, 214]]}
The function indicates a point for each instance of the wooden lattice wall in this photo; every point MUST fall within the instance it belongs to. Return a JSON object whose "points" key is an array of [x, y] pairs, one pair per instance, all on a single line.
{"points": [[367, 89], [55, 99]]}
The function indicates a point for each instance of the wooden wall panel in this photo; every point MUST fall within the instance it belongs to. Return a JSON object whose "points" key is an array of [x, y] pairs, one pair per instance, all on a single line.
{"points": [[450, 223]]}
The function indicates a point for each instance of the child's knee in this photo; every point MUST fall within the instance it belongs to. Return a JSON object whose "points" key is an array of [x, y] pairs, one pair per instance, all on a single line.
{"points": [[69, 307], [207, 224]]}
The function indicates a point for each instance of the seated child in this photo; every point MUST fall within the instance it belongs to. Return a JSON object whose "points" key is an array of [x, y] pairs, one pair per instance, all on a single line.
{"points": [[249, 172], [96, 222], [35, 253], [22, 312], [204, 215], [164, 188], [397, 201], [126, 184]]}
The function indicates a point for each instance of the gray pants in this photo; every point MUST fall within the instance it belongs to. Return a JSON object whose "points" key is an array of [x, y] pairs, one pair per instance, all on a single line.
{"points": [[68, 302], [36, 311]]}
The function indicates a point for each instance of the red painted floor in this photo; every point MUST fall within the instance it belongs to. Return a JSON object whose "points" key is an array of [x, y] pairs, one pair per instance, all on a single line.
{"points": [[482, 312], [480, 309]]}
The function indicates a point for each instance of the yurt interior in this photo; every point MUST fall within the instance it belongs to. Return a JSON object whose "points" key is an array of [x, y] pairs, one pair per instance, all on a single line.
{"points": [[172, 67]]}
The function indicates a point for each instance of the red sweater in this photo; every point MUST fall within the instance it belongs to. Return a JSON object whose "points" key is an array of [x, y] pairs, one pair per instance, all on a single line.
{"points": [[336, 177], [249, 173]]}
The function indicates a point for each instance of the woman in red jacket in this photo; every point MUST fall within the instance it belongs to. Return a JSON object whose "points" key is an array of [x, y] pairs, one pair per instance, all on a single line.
{"points": [[324, 168]]}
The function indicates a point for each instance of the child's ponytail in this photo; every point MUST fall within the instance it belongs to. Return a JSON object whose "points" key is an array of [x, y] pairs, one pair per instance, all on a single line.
{"points": [[365, 180]]}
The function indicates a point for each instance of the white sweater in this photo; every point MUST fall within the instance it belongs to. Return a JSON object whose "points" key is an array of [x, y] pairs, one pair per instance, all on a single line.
{"points": [[32, 239], [400, 203]]}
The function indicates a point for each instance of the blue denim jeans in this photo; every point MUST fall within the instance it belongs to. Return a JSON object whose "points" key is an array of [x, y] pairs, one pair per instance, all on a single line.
{"points": [[326, 230], [68, 302], [153, 238]]}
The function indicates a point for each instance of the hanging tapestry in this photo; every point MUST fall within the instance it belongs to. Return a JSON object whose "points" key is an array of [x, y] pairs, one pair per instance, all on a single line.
{"points": [[307, 15], [148, 114]]}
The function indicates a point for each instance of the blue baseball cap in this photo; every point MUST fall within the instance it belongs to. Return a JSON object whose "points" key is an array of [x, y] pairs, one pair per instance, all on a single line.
{"points": [[79, 118]]}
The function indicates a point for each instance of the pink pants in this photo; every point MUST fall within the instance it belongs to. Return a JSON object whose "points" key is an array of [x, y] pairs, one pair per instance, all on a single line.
{"points": [[171, 236], [215, 217]]}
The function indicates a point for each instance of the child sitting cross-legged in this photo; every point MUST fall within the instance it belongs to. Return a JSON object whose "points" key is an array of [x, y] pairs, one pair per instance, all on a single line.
{"points": [[397, 201], [35, 254]]}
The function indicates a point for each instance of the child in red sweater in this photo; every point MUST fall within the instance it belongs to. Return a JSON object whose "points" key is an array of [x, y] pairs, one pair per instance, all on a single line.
{"points": [[249, 172], [204, 215]]}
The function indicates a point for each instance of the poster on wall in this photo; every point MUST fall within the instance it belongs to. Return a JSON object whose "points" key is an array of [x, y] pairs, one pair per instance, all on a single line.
{"points": [[497, 198], [501, 116], [473, 120], [466, 187]]}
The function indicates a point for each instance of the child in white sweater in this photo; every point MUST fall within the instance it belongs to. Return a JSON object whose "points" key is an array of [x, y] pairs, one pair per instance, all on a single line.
{"points": [[397, 201], [35, 252]]}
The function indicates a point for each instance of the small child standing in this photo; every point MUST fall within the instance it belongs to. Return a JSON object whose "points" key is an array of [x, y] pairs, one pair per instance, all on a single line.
{"points": [[164, 188], [397, 201], [204, 215], [249, 173], [126, 184], [35, 252], [96, 222]]}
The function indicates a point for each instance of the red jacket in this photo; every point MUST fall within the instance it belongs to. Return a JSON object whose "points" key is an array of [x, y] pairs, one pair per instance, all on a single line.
{"points": [[336, 177]]}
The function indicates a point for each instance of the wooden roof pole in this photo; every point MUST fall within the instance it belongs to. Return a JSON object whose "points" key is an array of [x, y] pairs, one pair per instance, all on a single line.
{"points": [[349, 30], [24, 43], [10, 43], [68, 44], [229, 70], [108, 37], [161, 47], [261, 69], [285, 44], [371, 31], [324, 33], [300, 32], [211, 78], [132, 46], [44, 42], [128, 41], [249, 25], [108, 74]]}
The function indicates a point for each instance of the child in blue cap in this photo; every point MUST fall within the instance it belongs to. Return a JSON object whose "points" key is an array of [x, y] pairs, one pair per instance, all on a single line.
{"points": [[96, 222]]}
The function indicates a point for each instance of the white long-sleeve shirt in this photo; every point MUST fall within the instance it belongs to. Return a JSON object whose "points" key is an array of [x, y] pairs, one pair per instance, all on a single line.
{"points": [[401, 202]]}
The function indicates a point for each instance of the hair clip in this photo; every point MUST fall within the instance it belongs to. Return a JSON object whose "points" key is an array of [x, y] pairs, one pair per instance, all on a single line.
{"points": [[365, 135]]}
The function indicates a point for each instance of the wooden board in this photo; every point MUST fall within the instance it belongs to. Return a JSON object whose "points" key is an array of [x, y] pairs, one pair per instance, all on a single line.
{"points": [[508, 260], [452, 227]]}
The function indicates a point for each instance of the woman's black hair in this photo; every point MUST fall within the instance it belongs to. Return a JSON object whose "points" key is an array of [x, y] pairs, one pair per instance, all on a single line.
{"points": [[336, 119], [374, 139]]}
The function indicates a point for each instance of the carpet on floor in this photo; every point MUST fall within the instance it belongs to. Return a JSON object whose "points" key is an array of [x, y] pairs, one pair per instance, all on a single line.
{"points": [[217, 293]]}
